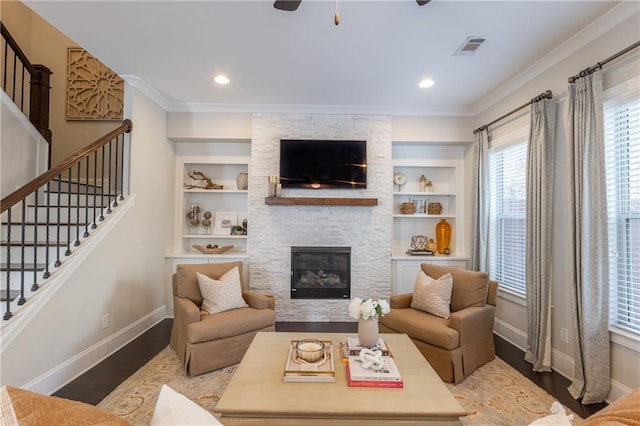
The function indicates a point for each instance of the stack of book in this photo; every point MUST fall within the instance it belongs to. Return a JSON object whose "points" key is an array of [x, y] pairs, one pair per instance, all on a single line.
{"points": [[386, 377]]}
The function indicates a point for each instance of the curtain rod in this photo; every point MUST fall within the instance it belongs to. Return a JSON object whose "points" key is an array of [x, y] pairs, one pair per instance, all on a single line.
{"points": [[599, 65], [546, 95]]}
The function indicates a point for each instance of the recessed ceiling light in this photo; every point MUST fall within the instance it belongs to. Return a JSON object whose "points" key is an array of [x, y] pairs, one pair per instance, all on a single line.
{"points": [[221, 79], [427, 82]]}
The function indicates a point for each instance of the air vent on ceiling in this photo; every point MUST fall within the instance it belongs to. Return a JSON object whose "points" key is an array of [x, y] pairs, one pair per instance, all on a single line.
{"points": [[470, 46]]}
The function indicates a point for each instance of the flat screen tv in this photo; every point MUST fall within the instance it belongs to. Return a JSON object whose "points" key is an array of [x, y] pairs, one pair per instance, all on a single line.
{"points": [[323, 164]]}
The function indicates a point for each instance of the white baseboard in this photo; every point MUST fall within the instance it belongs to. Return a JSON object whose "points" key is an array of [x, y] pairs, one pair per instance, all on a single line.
{"points": [[617, 390], [59, 376], [511, 334], [562, 364]]}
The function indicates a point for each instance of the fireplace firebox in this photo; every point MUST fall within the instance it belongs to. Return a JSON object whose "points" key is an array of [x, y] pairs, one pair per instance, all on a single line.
{"points": [[320, 272]]}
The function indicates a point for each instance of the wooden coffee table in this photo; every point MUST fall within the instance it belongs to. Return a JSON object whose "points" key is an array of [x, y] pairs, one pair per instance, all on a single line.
{"points": [[258, 395]]}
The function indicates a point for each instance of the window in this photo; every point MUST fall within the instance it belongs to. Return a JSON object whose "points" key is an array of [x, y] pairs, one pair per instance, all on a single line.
{"points": [[508, 220], [622, 152]]}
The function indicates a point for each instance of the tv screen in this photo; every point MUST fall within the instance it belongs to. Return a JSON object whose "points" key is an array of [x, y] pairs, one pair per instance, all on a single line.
{"points": [[321, 164]]}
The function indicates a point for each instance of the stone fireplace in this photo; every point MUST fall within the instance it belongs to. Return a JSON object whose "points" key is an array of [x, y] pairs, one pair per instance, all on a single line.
{"points": [[275, 229], [320, 272]]}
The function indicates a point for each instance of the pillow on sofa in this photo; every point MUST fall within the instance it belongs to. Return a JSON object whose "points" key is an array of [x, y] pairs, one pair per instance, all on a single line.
{"points": [[223, 294], [173, 408], [469, 287], [433, 296]]}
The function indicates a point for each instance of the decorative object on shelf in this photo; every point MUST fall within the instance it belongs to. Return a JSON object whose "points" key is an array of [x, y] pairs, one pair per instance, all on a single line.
{"points": [[245, 227], [443, 233], [434, 208], [429, 186], [200, 181], [242, 181], [419, 242], [432, 246], [193, 218], [278, 189], [206, 222], [212, 248], [224, 221], [367, 313], [423, 183], [422, 206], [271, 188], [408, 208], [236, 230], [399, 179]]}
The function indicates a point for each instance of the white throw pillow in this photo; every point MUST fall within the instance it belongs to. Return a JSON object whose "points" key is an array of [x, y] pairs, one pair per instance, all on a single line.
{"points": [[174, 408], [223, 294], [433, 296]]}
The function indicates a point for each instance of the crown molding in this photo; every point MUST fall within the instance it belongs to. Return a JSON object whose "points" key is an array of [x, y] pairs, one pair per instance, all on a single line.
{"points": [[146, 89], [318, 109], [588, 34]]}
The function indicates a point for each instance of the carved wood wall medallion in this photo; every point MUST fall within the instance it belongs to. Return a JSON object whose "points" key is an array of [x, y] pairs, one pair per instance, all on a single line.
{"points": [[94, 92]]}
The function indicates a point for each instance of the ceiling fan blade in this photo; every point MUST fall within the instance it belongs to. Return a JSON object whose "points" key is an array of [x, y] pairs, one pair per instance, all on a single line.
{"points": [[422, 2], [288, 5]]}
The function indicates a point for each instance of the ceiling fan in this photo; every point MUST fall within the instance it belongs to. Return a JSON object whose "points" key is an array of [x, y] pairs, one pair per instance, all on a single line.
{"points": [[291, 5]]}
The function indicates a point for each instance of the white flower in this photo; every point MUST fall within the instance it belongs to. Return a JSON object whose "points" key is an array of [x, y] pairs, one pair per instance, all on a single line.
{"points": [[384, 306], [354, 308], [365, 309]]}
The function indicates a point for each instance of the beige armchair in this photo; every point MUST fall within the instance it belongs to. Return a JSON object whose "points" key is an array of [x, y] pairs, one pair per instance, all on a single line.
{"points": [[206, 342], [454, 347]]}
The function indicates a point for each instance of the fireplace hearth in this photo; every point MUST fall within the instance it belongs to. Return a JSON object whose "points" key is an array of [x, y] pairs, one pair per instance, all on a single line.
{"points": [[320, 272]]}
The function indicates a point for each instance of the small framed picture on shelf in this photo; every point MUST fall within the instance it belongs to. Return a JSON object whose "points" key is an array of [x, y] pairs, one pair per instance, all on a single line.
{"points": [[224, 221]]}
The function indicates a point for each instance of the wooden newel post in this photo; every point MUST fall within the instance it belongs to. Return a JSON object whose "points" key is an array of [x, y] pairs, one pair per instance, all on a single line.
{"points": [[39, 102]]}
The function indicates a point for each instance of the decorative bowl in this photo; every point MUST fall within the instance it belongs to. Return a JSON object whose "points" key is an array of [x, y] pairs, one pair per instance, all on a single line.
{"points": [[310, 350]]}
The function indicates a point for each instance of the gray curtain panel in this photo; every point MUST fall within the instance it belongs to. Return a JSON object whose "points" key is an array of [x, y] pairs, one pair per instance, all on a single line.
{"points": [[538, 234], [589, 248], [480, 204]]}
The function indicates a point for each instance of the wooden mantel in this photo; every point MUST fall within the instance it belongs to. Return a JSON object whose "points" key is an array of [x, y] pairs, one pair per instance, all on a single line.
{"points": [[320, 201]]}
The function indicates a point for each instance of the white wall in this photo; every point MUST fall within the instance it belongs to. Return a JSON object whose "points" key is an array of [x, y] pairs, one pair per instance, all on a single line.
{"points": [[23, 151], [606, 37], [123, 277]]}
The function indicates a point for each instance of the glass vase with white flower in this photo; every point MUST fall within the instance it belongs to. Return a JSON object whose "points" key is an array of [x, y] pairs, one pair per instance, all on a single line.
{"points": [[367, 312]]}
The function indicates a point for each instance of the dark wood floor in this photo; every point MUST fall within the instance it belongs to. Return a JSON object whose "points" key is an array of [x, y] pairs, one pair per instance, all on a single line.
{"points": [[97, 383]]}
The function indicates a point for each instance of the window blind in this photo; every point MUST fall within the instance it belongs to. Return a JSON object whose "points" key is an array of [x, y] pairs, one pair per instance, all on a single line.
{"points": [[622, 153], [508, 219]]}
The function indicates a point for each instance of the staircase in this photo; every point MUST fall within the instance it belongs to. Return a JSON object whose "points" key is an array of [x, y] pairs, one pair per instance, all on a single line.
{"points": [[47, 220], [54, 227]]}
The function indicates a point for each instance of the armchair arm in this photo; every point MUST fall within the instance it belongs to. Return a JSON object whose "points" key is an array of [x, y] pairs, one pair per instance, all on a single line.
{"points": [[473, 322], [185, 311], [259, 300], [400, 301]]}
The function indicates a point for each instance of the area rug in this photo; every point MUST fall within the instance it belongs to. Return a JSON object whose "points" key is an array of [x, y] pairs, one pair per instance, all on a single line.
{"points": [[495, 394]]}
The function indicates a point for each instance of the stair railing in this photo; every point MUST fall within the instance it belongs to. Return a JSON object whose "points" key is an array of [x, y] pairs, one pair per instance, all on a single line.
{"points": [[19, 75], [88, 183]]}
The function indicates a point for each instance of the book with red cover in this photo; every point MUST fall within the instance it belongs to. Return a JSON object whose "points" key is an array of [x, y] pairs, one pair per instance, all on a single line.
{"points": [[372, 383]]}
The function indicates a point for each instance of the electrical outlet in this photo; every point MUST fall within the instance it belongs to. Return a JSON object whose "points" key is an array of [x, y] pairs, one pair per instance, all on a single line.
{"points": [[105, 321], [564, 335]]}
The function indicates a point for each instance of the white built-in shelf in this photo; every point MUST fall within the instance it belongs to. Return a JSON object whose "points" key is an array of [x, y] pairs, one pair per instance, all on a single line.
{"points": [[424, 216], [216, 236], [216, 191]]}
